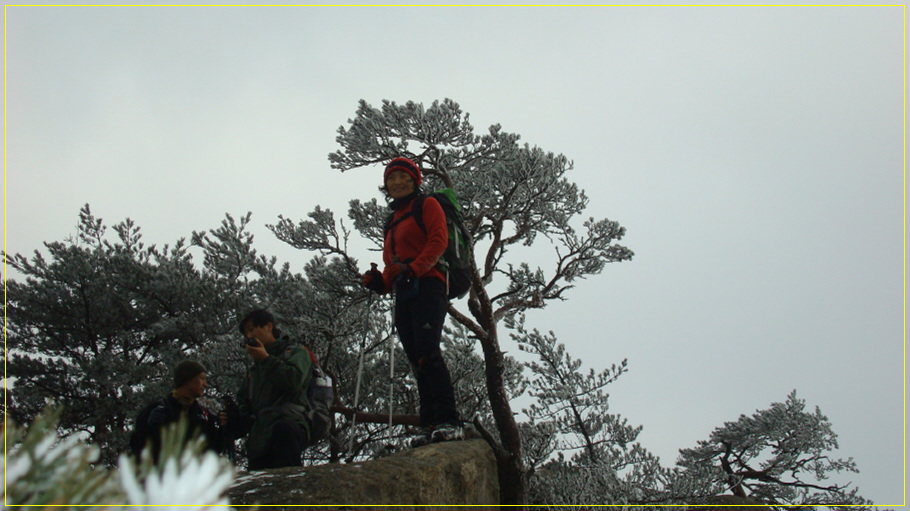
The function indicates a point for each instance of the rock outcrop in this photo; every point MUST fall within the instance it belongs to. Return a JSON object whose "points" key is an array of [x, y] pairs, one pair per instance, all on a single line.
{"points": [[455, 473]]}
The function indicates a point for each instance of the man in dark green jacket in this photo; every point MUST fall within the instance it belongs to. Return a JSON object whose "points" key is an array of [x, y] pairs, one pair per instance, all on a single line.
{"points": [[272, 401]]}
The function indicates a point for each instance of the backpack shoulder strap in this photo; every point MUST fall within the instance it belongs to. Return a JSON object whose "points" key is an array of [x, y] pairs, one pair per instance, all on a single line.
{"points": [[388, 224], [417, 211], [141, 430]]}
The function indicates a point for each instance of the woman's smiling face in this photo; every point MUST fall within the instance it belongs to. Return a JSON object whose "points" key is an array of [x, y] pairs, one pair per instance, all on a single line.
{"points": [[399, 184]]}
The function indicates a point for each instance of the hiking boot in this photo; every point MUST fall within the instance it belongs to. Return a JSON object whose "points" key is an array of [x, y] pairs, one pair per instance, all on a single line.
{"points": [[447, 432], [423, 437]]}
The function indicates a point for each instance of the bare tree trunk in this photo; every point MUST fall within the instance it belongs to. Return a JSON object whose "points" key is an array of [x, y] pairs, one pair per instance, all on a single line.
{"points": [[735, 482], [513, 486], [512, 478]]}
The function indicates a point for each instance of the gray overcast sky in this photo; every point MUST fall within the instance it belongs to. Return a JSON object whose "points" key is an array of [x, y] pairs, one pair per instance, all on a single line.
{"points": [[754, 154]]}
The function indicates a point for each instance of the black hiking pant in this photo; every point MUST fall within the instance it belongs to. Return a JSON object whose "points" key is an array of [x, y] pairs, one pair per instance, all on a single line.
{"points": [[285, 447], [419, 321]]}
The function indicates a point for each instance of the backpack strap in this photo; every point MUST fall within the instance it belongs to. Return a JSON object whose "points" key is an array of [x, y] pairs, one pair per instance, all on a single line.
{"points": [[416, 211], [142, 431]]}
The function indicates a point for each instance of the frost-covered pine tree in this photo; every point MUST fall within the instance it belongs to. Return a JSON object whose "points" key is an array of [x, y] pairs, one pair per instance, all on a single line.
{"points": [[96, 326], [581, 453], [782, 456], [512, 196]]}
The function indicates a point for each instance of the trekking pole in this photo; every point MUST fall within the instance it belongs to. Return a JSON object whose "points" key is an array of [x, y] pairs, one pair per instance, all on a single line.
{"points": [[391, 382], [230, 411], [363, 342], [391, 368]]}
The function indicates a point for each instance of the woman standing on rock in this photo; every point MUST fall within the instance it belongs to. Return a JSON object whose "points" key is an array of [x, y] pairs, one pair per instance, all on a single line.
{"points": [[411, 253]]}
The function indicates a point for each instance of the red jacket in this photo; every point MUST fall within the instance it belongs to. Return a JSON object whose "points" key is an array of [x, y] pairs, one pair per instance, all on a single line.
{"points": [[421, 250]]}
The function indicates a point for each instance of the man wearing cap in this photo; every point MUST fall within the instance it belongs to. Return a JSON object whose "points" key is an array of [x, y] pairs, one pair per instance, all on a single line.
{"points": [[189, 385]]}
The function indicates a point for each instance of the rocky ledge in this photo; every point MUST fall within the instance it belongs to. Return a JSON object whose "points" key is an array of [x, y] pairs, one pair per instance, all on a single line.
{"points": [[455, 473]]}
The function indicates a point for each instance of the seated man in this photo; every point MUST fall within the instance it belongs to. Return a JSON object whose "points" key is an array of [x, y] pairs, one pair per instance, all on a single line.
{"points": [[189, 385]]}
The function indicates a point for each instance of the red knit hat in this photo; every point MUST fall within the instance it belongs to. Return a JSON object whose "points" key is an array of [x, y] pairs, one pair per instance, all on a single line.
{"points": [[405, 165]]}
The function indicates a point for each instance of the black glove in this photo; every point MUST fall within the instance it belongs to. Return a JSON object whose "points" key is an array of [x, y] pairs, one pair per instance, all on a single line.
{"points": [[372, 280]]}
